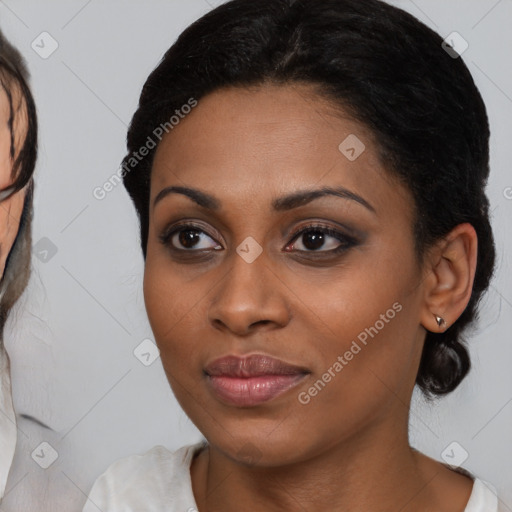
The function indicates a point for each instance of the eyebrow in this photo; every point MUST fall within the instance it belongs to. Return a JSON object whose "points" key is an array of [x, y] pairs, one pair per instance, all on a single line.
{"points": [[284, 203]]}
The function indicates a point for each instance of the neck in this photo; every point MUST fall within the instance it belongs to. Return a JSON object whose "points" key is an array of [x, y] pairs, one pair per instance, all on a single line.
{"points": [[373, 470]]}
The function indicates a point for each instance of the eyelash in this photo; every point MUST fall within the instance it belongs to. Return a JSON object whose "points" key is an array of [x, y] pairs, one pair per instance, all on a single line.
{"points": [[346, 241]]}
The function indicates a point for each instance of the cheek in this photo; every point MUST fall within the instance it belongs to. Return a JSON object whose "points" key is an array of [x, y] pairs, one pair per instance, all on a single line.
{"points": [[11, 208], [359, 299], [370, 349], [173, 307], [374, 349], [174, 312], [368, 365], [5, 158], [10, 215]]}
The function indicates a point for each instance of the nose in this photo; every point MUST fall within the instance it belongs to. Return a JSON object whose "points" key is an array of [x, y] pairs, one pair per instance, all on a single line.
{"points": [[248, 297]]}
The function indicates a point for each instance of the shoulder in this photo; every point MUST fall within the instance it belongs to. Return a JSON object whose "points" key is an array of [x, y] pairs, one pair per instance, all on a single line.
{"points": [[483, 497], [158, 480], [458, 487]]}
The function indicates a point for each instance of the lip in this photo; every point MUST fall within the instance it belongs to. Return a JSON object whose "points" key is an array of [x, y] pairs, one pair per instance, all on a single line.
{"points": [[251, 380]]}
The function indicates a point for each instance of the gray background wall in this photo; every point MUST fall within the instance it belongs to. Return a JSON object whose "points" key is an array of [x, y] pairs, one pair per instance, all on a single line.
{"points": [[73, 334]]}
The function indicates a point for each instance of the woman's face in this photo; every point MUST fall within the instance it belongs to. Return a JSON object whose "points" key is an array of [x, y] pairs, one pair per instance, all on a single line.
{"points": [[12, 207], [342, 307]]}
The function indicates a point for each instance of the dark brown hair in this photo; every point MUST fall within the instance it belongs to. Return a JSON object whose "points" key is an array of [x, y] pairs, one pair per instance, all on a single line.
{"points": [[14, 82]]}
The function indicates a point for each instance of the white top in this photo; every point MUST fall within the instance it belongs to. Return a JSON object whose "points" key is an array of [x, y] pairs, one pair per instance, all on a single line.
{"points": [[159, 481], [8, 433]]}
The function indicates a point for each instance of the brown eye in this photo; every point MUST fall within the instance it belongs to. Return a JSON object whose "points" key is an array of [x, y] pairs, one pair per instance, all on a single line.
{"points": [[316, 237], [188, 237]]}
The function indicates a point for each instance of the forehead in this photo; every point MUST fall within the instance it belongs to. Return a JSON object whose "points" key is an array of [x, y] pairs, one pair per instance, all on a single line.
{"points": [[265, 138], [4, 105], [14, 107], [12, 104]]}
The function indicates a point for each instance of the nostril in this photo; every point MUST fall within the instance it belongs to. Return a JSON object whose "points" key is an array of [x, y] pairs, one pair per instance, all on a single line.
{"points": [[263, 322]]}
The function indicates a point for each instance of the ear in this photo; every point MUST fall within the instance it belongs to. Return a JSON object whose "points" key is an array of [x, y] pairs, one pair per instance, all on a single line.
{"points": [[450, 275]]}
